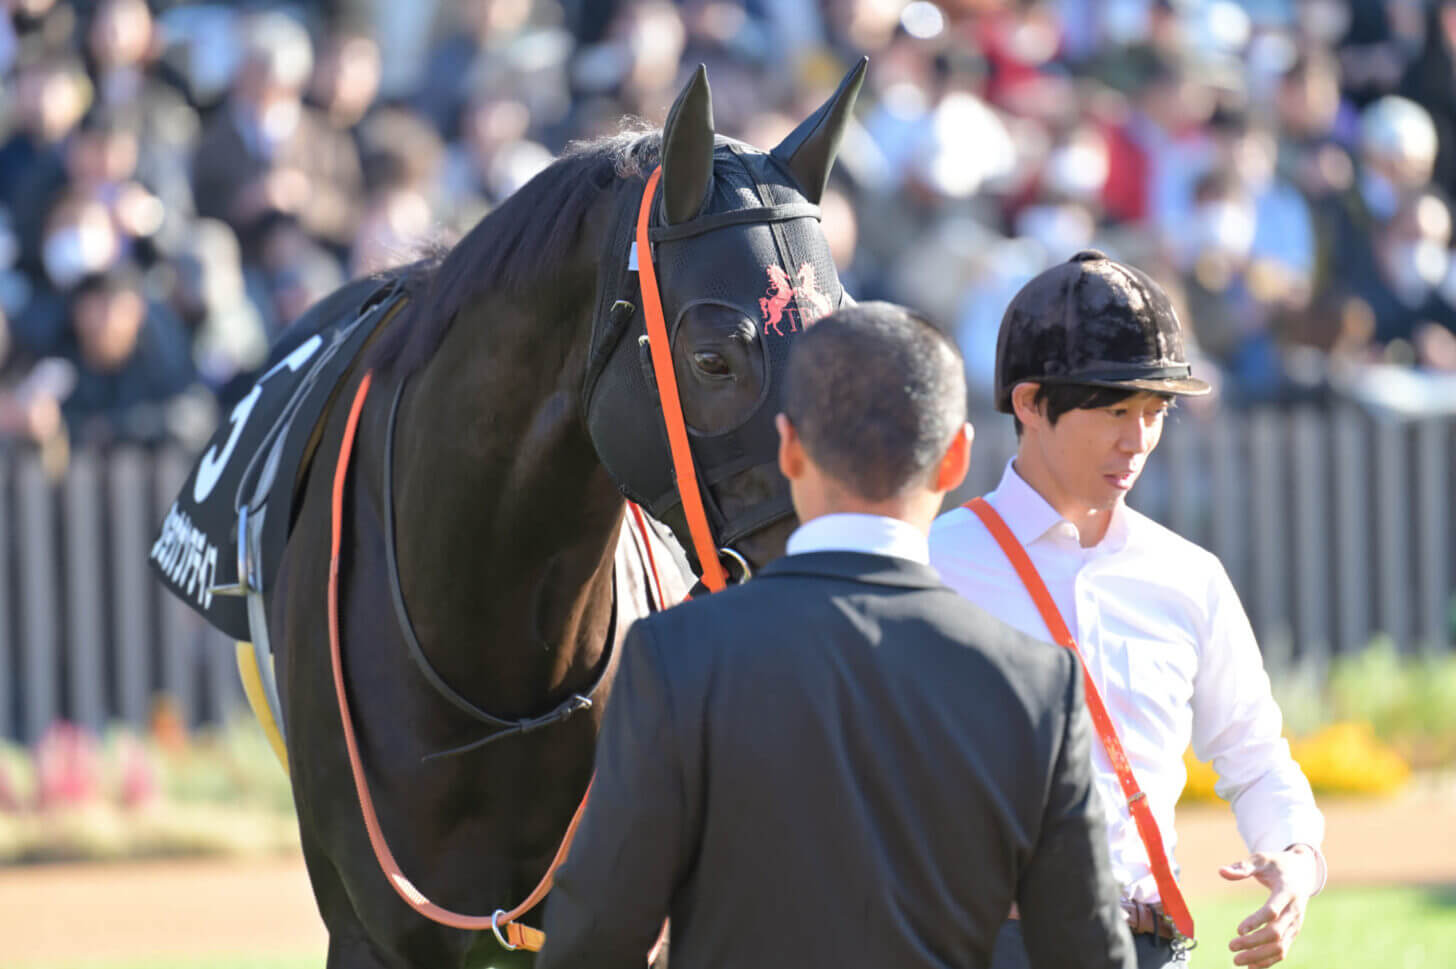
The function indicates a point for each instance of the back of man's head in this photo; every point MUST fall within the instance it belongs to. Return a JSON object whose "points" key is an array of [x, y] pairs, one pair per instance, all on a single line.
{"points": [[876, 394]]}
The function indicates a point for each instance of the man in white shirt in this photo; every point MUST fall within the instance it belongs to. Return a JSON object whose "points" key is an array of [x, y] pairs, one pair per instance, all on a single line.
{"points": [[842, 762], [1089, 358]]}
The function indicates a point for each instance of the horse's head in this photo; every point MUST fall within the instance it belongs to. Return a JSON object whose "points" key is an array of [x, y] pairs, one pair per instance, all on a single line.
{"points": [[742, 267]]}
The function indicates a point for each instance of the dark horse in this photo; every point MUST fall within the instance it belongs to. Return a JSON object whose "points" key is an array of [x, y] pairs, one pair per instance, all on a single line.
{"points": [[524, 414]]}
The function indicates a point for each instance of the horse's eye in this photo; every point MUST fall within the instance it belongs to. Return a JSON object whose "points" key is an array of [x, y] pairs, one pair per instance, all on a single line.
{"points": [[712, 363]]}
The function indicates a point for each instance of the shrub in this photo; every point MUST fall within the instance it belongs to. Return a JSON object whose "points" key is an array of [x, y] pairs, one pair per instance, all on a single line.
{"points": [[1347, 758], [1409, 702]]}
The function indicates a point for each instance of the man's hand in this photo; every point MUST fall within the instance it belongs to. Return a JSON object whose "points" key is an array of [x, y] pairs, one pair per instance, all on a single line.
{"points": [[1292, 876]]}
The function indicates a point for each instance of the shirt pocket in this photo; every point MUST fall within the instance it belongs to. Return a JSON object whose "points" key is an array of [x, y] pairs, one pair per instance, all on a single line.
{"points": [[1160, 680]]}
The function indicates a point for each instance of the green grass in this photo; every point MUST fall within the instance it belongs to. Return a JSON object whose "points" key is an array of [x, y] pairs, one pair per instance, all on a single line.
{"points": [[1350, 928]]}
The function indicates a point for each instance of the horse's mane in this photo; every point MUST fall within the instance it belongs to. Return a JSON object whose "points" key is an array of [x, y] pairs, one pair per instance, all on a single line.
{"points": [[507, 251]]}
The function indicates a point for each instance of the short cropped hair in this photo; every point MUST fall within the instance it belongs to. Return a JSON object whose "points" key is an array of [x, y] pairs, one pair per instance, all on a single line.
{"points": [[876, 394]]}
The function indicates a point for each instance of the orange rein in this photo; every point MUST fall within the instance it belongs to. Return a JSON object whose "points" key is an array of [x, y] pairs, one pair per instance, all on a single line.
{"points": [[714, 577], [510, 933], [507, 931]]}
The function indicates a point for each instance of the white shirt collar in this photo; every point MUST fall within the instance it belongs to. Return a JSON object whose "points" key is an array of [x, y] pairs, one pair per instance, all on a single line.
{"points": [[1030, 516], [875, 534]]}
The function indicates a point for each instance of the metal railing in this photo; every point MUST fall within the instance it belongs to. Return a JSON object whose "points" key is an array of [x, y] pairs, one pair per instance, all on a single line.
{"points": [[1334, 528]]}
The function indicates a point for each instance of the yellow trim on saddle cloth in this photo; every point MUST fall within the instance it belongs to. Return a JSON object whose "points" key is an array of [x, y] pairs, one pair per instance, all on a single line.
{"points": [[258, 700]]}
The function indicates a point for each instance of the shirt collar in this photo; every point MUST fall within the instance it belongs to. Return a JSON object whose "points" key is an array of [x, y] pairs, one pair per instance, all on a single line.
{"points": [[1030, 516], [876, 534]]}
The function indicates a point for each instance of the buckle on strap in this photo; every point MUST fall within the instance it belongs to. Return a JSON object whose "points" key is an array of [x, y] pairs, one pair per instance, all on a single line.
{"points": [[1149, 918], [1180, 943], [495, 927]]}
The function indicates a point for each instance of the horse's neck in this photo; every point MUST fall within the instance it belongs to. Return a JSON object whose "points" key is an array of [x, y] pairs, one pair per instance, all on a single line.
{"points": [[507, 522]]}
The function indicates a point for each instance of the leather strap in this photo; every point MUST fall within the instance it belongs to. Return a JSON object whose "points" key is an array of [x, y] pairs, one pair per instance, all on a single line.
{"points": [[515, 936], [714, 576], [1137, 801], [646, 537], [1146, 918]]}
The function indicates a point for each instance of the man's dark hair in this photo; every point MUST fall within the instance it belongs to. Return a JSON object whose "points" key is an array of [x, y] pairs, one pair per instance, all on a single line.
{"points": [[1058, 399], [876, 394]]}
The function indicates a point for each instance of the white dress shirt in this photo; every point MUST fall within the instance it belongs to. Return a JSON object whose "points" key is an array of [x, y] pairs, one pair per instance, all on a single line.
{"points": [[1167, 642], [845, 532]]}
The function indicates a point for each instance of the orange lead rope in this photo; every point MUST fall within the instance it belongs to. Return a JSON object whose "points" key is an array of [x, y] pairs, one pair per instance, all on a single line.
{"points": [[1137, 801], [677, 433], [502, 923]]}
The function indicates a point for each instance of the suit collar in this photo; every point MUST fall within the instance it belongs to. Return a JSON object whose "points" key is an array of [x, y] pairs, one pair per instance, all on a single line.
{"points": [[855, 567]]}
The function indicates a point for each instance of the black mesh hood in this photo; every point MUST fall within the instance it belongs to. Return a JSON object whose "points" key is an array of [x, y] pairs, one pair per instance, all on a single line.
{"points": [[756, 247]]}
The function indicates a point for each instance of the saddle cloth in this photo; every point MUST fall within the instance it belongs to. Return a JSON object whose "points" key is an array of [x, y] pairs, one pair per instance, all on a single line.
{"points": [[225, 532]]}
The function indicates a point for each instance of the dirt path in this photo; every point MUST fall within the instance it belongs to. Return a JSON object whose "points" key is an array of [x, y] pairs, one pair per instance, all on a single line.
{"points": [[54, 915], [76, 914]]}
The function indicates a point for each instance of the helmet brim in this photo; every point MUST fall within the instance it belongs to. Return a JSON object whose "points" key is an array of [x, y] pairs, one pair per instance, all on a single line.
{"points": [[1174, 386]]}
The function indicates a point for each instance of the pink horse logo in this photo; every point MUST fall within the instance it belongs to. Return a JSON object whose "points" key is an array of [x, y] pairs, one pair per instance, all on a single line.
{"points": [[810, 302]]}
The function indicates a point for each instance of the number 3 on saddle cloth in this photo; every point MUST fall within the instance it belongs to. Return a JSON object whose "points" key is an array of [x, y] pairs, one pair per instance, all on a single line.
{"points": [[222, 540]]}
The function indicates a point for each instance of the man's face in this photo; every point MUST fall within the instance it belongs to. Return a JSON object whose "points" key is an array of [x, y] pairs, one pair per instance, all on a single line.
{"points": [[1095, 456]]}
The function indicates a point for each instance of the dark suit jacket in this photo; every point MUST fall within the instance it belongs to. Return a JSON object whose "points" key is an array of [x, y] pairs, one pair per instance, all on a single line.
{"points": [[840, 763]]}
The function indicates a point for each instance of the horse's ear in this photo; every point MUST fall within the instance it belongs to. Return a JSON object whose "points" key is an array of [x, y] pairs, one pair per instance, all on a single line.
{"points": [[687, 151], [810, 148]]}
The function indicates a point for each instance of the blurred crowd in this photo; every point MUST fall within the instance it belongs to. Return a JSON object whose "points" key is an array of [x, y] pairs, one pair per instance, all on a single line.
{"points": [[179, 181]]}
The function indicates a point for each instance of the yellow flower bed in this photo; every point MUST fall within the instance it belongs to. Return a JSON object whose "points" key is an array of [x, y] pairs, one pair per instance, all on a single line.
{"points": [[1343, 758], [1347, 758]]}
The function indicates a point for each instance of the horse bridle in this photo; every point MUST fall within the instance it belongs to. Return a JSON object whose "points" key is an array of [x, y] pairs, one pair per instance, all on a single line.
{"points": [[711, 532]]}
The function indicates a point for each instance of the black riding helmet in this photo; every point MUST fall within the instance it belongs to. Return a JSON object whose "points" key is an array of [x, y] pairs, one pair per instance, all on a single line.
{"points": [[1096, 322]]}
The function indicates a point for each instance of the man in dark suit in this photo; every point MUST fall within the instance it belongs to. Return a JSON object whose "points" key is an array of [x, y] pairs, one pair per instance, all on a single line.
{"points": [[842, 762]]}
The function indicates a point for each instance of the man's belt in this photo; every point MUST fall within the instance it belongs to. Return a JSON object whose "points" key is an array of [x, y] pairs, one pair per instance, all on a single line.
{"points": [[1147, 918], [1143, 918]]}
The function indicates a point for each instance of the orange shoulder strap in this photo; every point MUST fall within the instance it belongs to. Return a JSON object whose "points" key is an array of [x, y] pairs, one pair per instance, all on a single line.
{"points": [[1137, 801]]}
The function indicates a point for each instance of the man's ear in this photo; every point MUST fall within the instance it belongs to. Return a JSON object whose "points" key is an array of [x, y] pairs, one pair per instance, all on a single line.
{"points": [[956, 461], [1023, 403], [791, 449]]}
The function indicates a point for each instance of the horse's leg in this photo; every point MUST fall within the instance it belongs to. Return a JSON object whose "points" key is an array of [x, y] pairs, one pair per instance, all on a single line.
{"points": [[349, 947]]}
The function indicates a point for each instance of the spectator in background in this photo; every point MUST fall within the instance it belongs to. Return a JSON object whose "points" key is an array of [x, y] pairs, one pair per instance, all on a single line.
{"points": [[131, 359], [1430, 81], [1379, 43], [1282, 251], [345, 79], [288, 272], [477, 31], [1311, 154], [52, 93], [1159, 152], [640, 58], [1403, 304], [122, 44], [268, 151], [493, 157], [99, 165], [402, 162], [1395, 159], [1233, 315], [79, 240], [204, 288]]}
